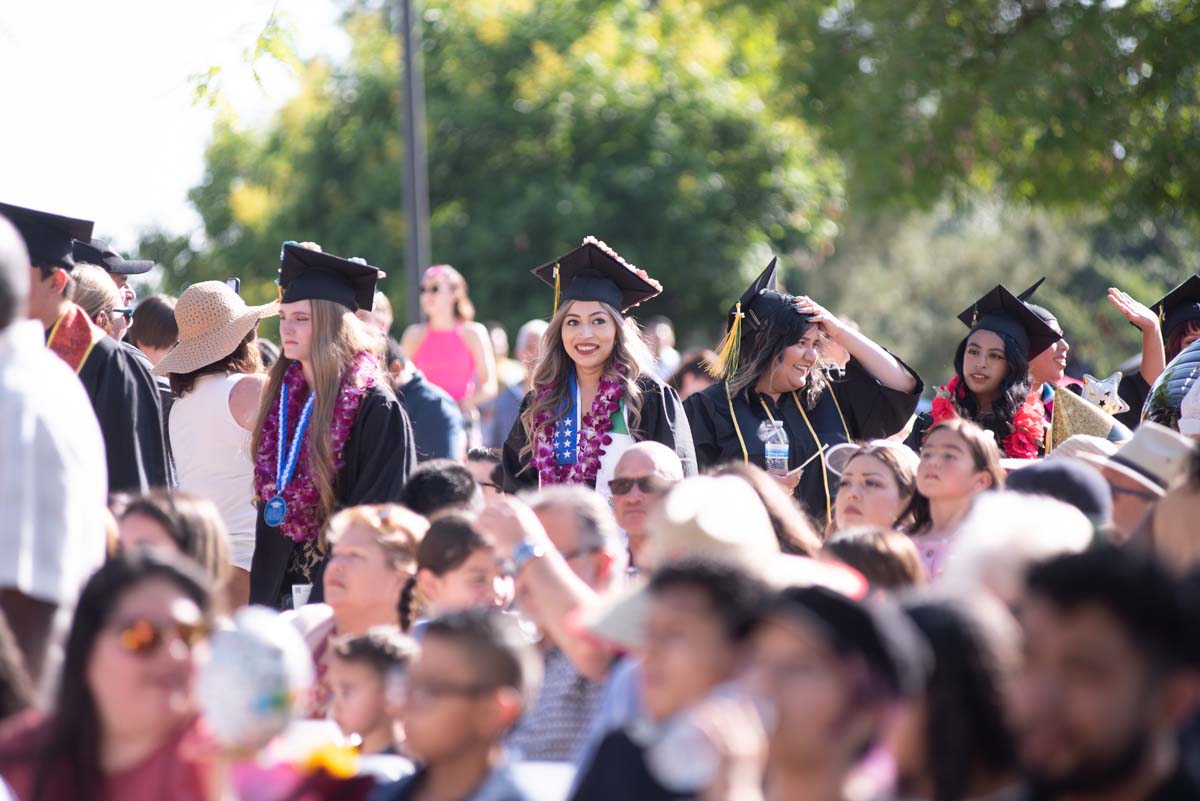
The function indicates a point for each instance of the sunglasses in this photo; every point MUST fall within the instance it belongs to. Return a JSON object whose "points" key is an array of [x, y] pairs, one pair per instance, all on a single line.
{"points": [[434, 289], [144, 637], [126, 313], [649, 485]]}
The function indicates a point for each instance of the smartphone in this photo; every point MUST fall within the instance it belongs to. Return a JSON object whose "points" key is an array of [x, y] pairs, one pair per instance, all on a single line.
{"points": [[235, 284]]}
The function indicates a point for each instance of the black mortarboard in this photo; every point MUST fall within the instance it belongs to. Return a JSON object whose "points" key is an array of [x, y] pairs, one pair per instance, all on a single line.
{"points": [[314, 275], [876, 630], [594, 271], [1180, 305], [99, 253], [48, 237], [1002, 312], [761, 300]]}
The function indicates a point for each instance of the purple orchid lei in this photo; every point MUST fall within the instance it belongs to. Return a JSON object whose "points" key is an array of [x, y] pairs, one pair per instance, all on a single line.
{"points": [[303, 520], [593, 437]]}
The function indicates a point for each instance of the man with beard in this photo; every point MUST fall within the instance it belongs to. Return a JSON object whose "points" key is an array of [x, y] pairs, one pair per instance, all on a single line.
{"points": [[1107, 682]]}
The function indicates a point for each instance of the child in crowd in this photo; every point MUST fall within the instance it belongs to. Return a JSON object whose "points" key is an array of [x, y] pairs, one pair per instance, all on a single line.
{"points": [[473, 678], [361, 668], [959, 460], [457, 568]]}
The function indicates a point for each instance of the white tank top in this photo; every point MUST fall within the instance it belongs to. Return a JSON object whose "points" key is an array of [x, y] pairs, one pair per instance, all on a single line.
{"points": [[212, 452]]}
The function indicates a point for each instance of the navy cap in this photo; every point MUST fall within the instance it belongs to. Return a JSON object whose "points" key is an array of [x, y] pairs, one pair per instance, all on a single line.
{"points": [[595, 272], [1068, 480], [1002, 312], [48, 237], [306, 274], [99, 253]]}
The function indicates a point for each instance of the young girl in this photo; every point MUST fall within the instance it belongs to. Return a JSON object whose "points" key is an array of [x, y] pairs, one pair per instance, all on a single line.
{"points": [[330, 433], [361, 667], [457, 568], [991, 384], [959, 460], [876, 483]]}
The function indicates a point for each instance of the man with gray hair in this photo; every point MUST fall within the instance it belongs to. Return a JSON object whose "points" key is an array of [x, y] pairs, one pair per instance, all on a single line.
{"points": [[53, 480], [582, 530], [506, 406]]}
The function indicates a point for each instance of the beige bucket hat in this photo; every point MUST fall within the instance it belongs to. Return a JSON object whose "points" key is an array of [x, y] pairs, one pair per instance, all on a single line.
{"points": [[212, 320], [719, 518], [1154, 459]]}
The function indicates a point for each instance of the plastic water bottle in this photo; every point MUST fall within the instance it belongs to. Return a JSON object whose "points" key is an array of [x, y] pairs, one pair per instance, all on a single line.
{"points": [[775, 440]]}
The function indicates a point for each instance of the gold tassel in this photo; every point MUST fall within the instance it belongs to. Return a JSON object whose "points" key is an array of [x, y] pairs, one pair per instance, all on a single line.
{"points": [[557, 288], [727, 352], [278, 291]]}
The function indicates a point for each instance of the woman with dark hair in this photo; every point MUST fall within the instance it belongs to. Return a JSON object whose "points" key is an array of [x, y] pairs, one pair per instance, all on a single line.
{"points": [[16, 688], [955, 743], [594, 390], [991, 384], [217, 381], [774, 371], [126, 704], [692, 376]]}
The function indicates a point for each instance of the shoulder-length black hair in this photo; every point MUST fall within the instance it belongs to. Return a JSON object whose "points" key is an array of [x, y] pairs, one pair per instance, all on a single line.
{"points": [[67, 760], [1014, 389], [760, 351]]}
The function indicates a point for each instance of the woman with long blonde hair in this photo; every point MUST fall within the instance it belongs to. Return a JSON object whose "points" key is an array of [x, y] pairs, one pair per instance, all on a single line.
{"points": [[330, 433], [594, 394]]}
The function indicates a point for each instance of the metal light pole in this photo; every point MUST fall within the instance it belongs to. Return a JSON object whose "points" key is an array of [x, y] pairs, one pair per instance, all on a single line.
{"points": [[416, 170]]}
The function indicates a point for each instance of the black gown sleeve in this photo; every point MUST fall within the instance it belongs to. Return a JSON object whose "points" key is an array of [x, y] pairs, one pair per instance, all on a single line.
{"points": [[709, 430], [126, 401], [1134, 390], [518, 474], [664, 420], [872, 410]]}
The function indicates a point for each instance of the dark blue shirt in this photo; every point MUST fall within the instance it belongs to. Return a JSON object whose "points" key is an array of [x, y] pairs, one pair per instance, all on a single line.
{"points": [[499, 786], [437, 422]]}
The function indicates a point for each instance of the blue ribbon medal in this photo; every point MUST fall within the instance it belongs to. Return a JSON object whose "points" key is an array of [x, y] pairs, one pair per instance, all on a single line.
{"points": [[276, 509], [566, 430]]}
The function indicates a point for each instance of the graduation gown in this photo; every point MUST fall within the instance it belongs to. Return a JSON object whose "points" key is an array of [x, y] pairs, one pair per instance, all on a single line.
{"points": [[871, 411], [126, 401], [663, 420], [379, 456]]}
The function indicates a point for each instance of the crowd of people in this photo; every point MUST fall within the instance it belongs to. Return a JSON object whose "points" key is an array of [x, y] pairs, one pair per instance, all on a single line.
{"points": [[588, 567]]}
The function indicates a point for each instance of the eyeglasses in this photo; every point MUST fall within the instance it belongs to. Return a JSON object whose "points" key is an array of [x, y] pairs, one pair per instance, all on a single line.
{"points": [[433, 289], [126, 313], [649, 485], [143, 637]]}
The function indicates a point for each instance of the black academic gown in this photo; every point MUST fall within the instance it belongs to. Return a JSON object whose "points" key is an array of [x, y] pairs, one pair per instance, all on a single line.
{"points": [[663, 420], [125, 399], [871, 411], [379, 456]]}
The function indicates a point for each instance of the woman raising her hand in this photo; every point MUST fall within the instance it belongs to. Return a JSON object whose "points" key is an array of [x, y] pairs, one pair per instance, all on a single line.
{"points": [[773, 369]]}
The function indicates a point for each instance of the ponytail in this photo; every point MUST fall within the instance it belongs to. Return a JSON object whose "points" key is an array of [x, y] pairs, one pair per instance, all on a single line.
{"points": [[408, 598]]}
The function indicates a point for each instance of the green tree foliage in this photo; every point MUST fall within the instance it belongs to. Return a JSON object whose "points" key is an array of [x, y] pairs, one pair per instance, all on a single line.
{"points": [[547, 122], [1063, 103]]}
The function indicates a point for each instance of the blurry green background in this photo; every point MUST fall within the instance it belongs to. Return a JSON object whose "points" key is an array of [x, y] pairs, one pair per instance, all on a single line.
{"points": [[899, 156]]}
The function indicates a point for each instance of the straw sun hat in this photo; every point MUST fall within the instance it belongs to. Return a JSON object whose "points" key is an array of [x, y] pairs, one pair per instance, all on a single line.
{"points": [[212, 320]]}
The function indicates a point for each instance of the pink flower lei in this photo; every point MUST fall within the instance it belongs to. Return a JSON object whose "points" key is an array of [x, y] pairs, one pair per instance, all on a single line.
{"points": [[1029, 422], [303, 520], [593, 437]]}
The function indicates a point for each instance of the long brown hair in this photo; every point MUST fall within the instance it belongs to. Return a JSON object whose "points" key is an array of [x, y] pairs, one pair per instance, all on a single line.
{"points": [[244, 360], [338, 337], [985, 455], [554, 366], [903, 473]]}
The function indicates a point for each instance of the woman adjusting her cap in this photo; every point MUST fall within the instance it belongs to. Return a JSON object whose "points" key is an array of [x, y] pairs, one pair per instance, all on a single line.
{"points": [[773, 372], [594, 394]]}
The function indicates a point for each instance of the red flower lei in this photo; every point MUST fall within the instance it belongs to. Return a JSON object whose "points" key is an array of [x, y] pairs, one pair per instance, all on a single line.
{"points": [[593, 437], [1029, 423], [303, 500]]}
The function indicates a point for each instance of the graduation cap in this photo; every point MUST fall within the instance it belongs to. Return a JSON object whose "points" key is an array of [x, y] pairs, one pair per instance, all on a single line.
{"points": [[594, 271], [1180, 305], [1002, 312], [754, 309], [307, 274], [48, 237], [99, 253]]}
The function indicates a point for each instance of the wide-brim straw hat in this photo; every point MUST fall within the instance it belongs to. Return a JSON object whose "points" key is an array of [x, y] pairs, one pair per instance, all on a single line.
{"points": [[212, 320], [719, 519], [1154, 459]]}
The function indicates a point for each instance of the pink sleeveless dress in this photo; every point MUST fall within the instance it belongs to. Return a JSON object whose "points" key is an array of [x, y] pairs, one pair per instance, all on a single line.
{"points": [[445, 359]]}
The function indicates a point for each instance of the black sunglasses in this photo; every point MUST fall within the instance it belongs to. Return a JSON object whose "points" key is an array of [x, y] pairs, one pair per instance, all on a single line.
{"points": [[650, 485]]}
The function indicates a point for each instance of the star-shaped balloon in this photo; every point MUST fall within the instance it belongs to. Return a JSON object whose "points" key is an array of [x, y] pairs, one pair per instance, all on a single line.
{"points": [[1104, 393]]}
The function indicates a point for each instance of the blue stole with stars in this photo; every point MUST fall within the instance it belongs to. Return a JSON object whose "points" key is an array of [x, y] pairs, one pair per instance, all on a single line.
{"points": [[566, 430]]}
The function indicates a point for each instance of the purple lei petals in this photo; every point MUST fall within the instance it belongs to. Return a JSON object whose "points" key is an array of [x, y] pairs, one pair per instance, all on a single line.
{"points": [[593, 437], [303, 520]]}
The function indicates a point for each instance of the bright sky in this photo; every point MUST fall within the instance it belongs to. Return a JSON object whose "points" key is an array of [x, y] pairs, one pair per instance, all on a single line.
{"points": [[97, 107]]}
